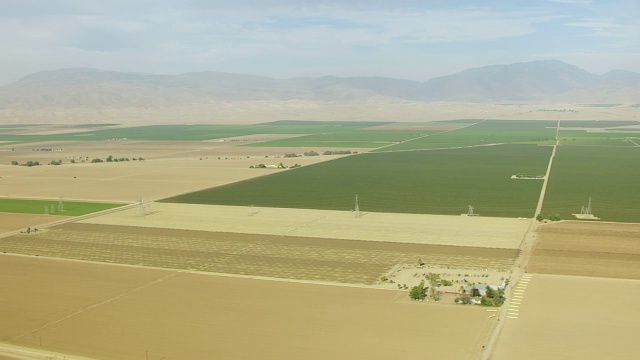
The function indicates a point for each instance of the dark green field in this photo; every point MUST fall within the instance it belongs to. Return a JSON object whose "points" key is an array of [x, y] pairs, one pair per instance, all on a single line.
{"points": [[609, 175], [195, 132], [51, 207], [427, 182], [347, 138], [486, 132]]}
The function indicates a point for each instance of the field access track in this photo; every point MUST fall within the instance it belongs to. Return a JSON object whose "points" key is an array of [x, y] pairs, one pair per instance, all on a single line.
{"points": [[331, 260]]}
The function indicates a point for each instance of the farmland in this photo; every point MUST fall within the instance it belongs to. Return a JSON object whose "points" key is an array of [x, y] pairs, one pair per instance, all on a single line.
{"points": [[563, 317], [440, 182], [599, 133], [114, 312], [606, 174], [288, 257], [176, 132], [577, 248], [486, 132], [168, 168], [349, 138], [490, 232], [13, 222], [285, 250], [52, 207]]}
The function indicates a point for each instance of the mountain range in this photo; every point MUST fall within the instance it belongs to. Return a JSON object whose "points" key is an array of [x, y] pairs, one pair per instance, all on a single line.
{"points": [[537, 81]]}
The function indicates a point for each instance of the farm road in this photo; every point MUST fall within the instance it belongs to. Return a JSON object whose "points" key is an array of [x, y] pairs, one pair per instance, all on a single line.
{"points": [[520, 266]]}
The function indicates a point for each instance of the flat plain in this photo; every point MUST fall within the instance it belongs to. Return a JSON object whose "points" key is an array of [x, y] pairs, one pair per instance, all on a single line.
{"points": [[475, 231], [419, 182], [285, 257], [114, 312], [569, 317], [610, 250], [606, 174], [198, 281], [13, 222], [58, 207], [168, 169]]}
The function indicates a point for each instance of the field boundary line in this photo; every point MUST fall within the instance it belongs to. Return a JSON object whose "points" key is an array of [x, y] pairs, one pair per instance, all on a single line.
{"points": [[209, 273], [424, 136], [71, 219], [24, 353], [93, 306]]}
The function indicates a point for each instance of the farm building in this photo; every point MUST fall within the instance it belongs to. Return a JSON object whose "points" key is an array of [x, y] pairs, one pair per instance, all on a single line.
{"points": [[483, 288]]}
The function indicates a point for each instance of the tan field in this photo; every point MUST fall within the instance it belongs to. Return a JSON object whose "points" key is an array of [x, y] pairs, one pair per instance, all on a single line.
{"points": [[13, 222], [115, 312], [383, 109], [407, 228], [288, 257], [129, 181], [588, 249], [566, 317]]}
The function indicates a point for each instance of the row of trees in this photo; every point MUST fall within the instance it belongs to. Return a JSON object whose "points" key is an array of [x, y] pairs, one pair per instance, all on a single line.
{"points": [[28, 163], [492, 297], [110, 158], [550, 217]]}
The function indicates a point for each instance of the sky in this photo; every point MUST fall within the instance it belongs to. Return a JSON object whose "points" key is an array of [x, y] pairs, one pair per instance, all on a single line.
{"points": [[407, 39]]}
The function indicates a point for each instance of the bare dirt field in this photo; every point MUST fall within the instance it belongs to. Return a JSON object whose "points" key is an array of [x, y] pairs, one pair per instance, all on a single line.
{"points": [[475, 231], [249, 112], [566, 317], [114, 312], [36, 291], [289, 257], [129, 181], [587, 249], [12, 222]]}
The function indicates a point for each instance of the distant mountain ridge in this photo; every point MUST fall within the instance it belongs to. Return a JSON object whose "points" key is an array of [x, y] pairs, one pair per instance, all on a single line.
{"points": [[546, 80]]}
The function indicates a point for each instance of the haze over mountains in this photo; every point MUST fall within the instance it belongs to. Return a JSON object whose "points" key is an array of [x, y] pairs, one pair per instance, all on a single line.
{"points": [[68, 90]]}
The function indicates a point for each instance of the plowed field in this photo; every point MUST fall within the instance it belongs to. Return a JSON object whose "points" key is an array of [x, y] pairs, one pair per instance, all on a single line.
{"points": [[333, 260], [573, 318], [588, 249], [108, 312]]}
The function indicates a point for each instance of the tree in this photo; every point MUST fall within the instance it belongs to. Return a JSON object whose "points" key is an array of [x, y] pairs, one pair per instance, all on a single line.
{"points": [[418, 292], [433, 280], [14, 163], [484, 301], [110, 158], [554, 217], [475, 292], [490, 292]]}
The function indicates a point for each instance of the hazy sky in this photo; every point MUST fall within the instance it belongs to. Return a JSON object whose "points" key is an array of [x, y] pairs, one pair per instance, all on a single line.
{"points": [[405, 39]]}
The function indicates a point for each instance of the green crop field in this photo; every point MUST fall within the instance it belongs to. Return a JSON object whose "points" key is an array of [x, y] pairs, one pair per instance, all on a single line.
{"points": [[51, 207], [193, 132], [486, 132], [342, 138], [599, 138], [609, 175], [596, 123], [428, 182]]}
